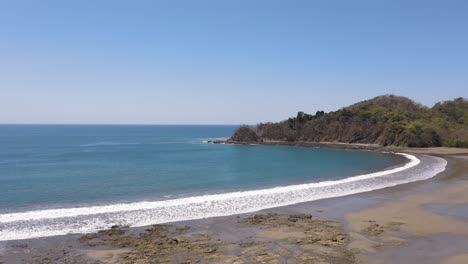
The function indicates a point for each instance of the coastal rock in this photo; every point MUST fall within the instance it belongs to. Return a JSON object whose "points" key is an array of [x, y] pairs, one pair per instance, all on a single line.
{"points": [[374, 229], [326, 233], [272, 238], [245, 134]]}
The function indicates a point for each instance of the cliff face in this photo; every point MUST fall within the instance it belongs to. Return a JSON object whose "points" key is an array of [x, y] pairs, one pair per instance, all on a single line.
{"points": [[384, 120]]}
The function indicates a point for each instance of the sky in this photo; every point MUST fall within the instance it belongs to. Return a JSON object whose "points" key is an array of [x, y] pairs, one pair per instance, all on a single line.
{"points": [[223, 62]]}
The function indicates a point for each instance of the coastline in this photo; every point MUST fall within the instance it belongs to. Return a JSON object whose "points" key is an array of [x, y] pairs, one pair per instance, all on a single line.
{"points": [[354, 146], [53, 222], [431, 226], [376, 225]]}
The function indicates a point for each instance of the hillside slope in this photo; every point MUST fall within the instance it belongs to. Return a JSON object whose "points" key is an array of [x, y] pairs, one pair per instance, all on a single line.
{"points": [[384, 120]]}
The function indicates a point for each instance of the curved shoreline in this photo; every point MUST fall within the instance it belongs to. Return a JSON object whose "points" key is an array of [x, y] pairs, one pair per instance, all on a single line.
{"points": [[147, 205], [354, 146], [64, 221]]}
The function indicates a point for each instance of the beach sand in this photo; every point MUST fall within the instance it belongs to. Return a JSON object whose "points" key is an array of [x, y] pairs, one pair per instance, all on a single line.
{"points": [[424, 223], [419, 222]]}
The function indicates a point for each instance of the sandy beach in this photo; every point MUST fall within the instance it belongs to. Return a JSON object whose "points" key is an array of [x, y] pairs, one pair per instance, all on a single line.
{"points": [[419, 222]]}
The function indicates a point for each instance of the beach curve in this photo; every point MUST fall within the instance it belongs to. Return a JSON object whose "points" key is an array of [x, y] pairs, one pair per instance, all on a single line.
{"points": [[89, 219]]}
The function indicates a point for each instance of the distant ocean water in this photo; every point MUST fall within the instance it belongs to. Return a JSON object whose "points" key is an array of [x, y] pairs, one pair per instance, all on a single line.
{"points": [[59, 179]]}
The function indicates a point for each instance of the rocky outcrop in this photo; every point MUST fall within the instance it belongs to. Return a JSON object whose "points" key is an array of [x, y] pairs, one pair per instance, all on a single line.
{"points": [[261, 238], [245, 134]]}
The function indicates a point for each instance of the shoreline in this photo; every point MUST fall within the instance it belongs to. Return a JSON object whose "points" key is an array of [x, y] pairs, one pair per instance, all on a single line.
{"points": [[372, 235], [217, 205], [353, 146]]}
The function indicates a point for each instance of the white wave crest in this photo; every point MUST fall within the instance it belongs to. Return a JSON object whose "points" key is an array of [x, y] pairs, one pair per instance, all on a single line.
{"points": [[210, 140], [89, 219]]}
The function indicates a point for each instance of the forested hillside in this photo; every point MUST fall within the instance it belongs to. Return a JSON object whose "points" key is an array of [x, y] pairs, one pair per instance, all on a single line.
{"points": [[384, 120]]}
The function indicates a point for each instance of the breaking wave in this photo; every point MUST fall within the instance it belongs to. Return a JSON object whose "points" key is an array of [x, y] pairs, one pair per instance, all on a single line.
{"points": [[50, 222]]}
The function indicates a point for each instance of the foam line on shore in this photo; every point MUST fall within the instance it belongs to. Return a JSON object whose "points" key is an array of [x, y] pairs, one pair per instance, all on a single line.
{"points": [[124, 207], [90, 219]]}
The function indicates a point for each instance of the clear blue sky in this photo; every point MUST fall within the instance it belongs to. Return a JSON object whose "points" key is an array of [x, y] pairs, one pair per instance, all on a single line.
{"points": [[223, 62]]}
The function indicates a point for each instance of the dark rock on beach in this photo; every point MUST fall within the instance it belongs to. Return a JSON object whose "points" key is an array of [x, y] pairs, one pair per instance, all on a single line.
{"points": [[273, 238]]}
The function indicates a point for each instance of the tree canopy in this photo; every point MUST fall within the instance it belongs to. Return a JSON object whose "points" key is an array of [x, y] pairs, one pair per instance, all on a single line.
{"points": [[387, 120]]}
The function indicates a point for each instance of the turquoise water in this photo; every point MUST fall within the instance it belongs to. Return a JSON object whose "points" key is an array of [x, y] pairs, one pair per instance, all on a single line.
{"points": [[56, 180], [64, 166]]}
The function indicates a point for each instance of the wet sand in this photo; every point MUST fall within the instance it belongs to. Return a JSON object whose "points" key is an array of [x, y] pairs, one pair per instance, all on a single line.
{"points": [[420, 222]]}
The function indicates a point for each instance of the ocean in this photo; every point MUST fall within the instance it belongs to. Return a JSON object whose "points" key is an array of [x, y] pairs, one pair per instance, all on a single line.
{"points": [[60, 179]]}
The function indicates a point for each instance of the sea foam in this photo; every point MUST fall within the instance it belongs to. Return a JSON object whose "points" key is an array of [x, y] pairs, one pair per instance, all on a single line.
{"points": [[51, 222]]}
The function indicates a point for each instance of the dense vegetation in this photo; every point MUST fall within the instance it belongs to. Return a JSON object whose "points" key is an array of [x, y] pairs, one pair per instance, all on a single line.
{"points": [[385, 120]]}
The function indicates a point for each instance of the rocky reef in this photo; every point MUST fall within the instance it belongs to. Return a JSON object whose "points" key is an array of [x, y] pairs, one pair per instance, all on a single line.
{"points": [[269, 238]]}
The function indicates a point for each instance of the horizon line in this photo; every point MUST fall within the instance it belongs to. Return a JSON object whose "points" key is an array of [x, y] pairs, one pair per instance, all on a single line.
{"points": [[116, 124]]}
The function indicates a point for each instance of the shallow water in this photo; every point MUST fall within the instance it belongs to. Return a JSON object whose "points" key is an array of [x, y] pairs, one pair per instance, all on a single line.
{"points": [[63, 179], [456, 210], [62, 166]]}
